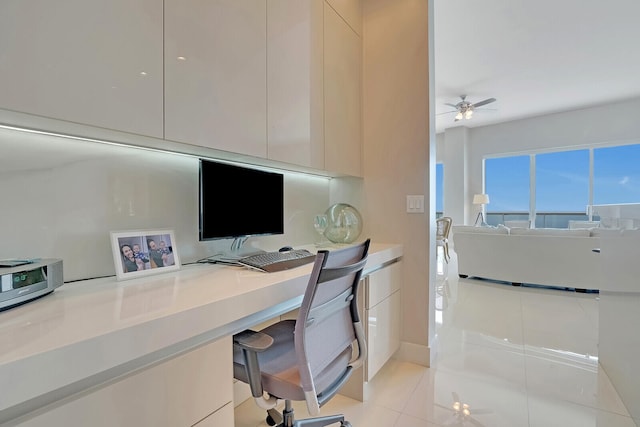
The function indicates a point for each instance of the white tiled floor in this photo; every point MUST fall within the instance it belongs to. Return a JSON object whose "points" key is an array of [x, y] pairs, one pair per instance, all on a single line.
{"points": [[517, 356]]}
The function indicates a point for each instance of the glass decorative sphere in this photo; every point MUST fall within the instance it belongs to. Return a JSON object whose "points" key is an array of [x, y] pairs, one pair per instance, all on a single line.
{"points": [[344, 223]]}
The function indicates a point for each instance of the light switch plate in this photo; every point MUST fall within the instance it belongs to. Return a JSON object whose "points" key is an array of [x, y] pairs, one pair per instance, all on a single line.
{"points": [[415, 204]]}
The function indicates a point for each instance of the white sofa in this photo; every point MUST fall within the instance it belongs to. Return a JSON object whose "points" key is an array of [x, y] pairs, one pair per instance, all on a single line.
{"points": [[550, 257]]}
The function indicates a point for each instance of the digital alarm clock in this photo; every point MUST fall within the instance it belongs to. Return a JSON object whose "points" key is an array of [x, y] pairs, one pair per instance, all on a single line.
{"points": [[22, 283]]}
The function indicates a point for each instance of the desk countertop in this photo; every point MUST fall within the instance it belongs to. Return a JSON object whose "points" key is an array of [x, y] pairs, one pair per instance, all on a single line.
{"points": [[87, 333]]}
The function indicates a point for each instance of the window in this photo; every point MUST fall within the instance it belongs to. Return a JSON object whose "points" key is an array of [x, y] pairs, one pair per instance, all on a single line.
{"points": [[562, 181], [616, 175], [507, 184]]}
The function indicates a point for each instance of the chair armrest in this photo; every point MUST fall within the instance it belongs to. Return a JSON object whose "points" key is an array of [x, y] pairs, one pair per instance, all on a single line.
{"points": [[251, 343], [252, 340]]}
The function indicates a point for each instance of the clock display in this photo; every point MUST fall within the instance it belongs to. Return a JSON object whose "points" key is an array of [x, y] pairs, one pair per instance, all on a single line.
{"points": [[30, 277]]}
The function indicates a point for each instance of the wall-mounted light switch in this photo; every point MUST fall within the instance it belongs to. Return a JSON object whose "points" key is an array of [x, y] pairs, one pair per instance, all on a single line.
{"points": [[415, 204]]}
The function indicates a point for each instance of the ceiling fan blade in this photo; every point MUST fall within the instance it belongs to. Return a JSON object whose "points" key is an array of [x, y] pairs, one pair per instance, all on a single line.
{"points": [[485, 102], [451, 105], [446, 112], [475, 422]]}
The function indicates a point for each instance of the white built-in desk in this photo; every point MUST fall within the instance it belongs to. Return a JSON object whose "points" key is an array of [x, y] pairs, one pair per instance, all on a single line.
{"points": [[90, 334]]}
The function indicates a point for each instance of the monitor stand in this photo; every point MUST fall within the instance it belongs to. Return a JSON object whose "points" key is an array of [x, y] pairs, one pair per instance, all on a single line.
{"points": [[238, 243], [236, 252]]}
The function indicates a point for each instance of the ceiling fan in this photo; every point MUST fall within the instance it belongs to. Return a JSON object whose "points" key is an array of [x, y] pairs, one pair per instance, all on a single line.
{"points": [[464, 109]]}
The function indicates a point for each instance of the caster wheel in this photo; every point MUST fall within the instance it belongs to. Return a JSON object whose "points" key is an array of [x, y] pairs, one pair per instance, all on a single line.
{"points": [[270, 420], [345, 424]]}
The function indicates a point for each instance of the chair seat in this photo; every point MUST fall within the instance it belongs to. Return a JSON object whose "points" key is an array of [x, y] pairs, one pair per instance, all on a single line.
{"points": [[280, 376]]}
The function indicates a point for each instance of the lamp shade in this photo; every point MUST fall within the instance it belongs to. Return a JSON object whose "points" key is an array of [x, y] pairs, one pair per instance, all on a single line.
{"points": [[481, 199]]}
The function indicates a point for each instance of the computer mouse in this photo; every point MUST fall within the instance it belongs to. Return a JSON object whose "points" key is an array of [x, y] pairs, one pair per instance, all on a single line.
{"points": [[285, 249]]}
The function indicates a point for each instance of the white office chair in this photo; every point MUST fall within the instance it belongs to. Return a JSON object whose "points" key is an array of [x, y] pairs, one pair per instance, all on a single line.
{"points": [[311, 357]]}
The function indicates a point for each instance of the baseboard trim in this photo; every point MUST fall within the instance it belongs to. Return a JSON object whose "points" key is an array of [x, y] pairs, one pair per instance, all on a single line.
{"points": [[414, 353]]}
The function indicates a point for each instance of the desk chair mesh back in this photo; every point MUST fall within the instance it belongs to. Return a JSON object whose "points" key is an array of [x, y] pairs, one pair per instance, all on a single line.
{"points": [[310, 358]]}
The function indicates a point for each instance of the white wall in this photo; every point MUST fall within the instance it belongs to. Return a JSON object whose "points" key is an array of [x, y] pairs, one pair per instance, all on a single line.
{"points": [[61, 198], [611, 124]]}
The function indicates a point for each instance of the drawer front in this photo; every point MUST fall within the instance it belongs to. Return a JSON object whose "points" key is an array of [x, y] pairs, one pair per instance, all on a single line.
{"points": [[383, 283]]}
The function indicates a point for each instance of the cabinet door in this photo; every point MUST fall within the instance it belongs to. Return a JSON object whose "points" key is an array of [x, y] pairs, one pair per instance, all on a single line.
{"points": [[180, 392], [95, 62], [295, 130], [383, 308], [342, 95], [215, 82], [383, 333], [351, 12], [220, 418]]}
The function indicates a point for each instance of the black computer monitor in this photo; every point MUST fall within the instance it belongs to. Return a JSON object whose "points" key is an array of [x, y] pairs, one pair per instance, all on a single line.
{"points": [[239, 202]]}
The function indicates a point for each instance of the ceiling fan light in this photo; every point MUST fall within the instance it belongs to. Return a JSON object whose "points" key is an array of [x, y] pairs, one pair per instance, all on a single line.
{"points": [[468, 114], [459, 115]]}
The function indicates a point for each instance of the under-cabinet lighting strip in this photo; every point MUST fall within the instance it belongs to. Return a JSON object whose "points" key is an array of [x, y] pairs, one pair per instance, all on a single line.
{"points": [[158, 150]]}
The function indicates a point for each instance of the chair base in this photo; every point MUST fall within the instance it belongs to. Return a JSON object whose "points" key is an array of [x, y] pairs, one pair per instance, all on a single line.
{"points": [[286, 419]]}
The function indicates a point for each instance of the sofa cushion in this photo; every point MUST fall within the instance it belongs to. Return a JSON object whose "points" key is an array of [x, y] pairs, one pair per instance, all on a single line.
{"points": [[550, 232], [615, 232], [573, 224], [483, 230], [524, 223]]}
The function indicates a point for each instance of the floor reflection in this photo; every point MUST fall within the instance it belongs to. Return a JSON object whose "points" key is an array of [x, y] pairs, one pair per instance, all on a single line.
{"points": [[506, 357], [461, 413]]}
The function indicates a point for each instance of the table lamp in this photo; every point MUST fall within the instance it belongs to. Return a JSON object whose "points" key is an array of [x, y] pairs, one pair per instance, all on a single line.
{"points": [[480, 199]]}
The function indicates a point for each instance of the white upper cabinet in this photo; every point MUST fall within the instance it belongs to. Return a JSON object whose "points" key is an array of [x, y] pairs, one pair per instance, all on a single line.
{"points": [[215, 82], [314, 85], [294, 79], [351, 12], [342, 95], [93, 62]]}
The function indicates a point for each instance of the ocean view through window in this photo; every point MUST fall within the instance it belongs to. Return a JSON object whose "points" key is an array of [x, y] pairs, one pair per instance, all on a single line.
{"points": [[563, 184]]}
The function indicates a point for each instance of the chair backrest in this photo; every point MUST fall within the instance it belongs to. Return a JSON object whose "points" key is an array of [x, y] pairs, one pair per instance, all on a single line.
{"points": [[444, 226], [328, 324]]}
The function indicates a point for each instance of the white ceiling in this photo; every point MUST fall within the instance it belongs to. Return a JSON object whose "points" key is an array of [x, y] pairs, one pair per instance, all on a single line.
{"points": [[534, 56]]}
